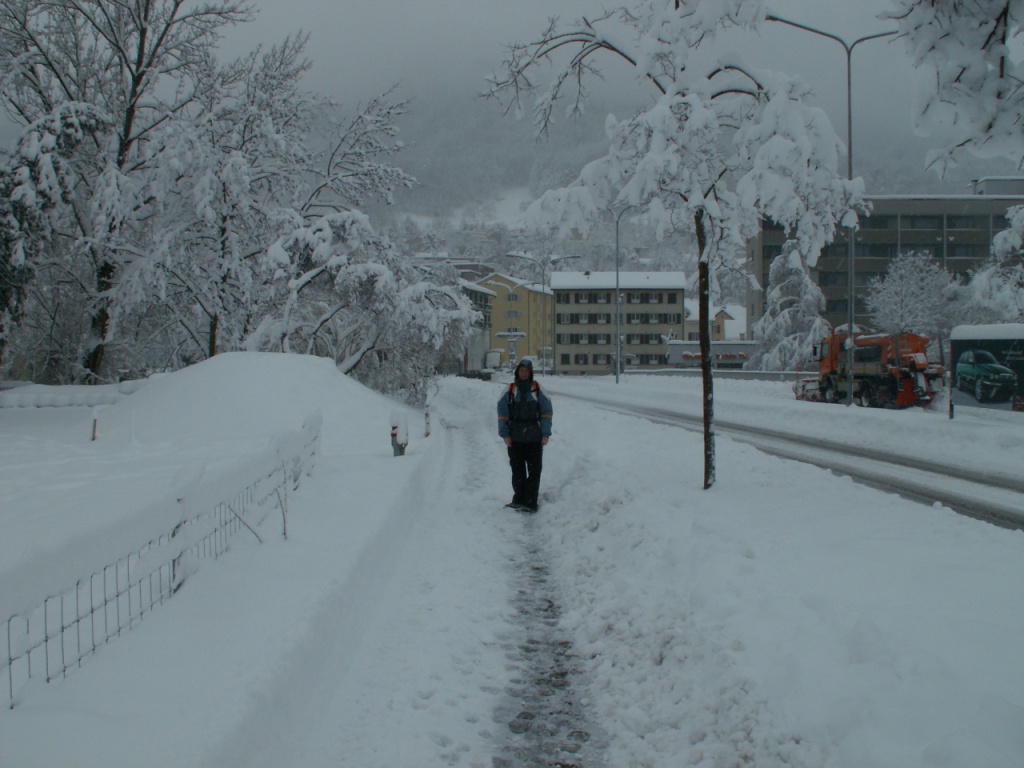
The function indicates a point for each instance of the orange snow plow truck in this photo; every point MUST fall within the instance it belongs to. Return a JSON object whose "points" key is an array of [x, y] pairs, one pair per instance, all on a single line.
{"points": [[889, 371]]}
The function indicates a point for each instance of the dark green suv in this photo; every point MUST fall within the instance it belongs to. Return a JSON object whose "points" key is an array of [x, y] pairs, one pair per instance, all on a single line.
{"points": [[978, 371]]}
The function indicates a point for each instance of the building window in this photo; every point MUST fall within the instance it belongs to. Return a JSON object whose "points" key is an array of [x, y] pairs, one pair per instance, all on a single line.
{"points": [[837, 306], [513, 297], [512, 314], [922, 222], [864, 277], [565, 359], [969, 251], [602, 359], [673, 298], [878, 222], [562, 298], [581, 359], [967, 222], [582, 298]]}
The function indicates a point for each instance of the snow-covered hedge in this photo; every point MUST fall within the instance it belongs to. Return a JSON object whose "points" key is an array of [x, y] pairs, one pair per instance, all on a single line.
{"points": [[80, 396]]}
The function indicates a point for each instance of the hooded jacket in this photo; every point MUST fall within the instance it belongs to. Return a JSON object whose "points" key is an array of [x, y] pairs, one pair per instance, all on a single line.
{"points": [[524, 412]]}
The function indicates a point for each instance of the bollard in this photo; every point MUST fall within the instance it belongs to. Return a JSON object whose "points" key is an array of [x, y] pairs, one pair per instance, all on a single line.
{"points": [[399, 433]]}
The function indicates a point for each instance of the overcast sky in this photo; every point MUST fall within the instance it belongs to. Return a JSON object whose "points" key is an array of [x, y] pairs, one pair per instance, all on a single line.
{"points": [[440, 48]]}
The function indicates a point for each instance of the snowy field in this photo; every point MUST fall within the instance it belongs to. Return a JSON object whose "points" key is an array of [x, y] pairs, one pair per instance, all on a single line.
{"points": [[787, 617]]}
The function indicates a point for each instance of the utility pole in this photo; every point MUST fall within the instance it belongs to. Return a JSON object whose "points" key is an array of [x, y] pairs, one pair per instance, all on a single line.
{"points": [[851, 231]]}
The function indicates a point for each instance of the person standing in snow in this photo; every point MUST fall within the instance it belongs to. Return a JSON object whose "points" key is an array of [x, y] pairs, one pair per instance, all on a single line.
{"points": [[524, 423]]}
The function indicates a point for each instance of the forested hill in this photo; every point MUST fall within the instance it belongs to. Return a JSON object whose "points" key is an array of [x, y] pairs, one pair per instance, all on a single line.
{"points": [[465, 152]]}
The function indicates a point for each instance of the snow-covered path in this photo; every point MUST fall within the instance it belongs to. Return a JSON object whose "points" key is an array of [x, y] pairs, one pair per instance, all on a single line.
{"points": [[372, 685], [787, 617]]}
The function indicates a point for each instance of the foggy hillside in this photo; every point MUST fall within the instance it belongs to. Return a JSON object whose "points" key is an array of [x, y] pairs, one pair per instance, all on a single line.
{"points": [[468, 153]]}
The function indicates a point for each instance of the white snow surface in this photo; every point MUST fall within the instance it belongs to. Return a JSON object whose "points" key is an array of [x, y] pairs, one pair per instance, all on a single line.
{"points": [[786, 617]]}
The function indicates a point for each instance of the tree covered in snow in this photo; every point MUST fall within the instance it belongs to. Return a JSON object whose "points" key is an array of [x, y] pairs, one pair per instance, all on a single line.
{"points": [[974, 48], [792, 322], [916, 295], [911, 297], [36, 182], [189, 207], [139, 63], [716, 147], [996, 291]]}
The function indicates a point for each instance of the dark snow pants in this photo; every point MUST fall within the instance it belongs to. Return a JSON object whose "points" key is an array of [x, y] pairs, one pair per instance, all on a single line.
{"points": [[527, 461]]}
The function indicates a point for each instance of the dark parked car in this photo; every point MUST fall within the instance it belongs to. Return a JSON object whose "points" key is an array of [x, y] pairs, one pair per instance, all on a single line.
{"points": [[482, 374], [980, 372]]}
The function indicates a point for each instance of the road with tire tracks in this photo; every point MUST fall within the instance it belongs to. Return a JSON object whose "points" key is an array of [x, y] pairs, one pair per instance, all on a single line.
{"points": [[995, 498]]}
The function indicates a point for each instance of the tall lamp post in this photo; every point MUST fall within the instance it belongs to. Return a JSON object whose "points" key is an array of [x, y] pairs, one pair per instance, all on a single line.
{"points": [[848, 48], [618, 298], [545, 271]]}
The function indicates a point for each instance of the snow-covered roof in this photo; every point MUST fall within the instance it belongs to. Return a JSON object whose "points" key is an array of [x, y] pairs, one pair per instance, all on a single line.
{"points": [[971, 197], [510, 283], [469, 285], [584, 281], [994, 331]]}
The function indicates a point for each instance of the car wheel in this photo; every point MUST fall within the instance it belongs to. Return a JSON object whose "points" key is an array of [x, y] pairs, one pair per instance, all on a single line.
{"points": [[979, 390]]}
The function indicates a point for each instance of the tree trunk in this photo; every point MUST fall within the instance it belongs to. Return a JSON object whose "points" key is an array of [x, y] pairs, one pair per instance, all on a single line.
{"points": [[704, 297], [212, 347], [100, 323]]}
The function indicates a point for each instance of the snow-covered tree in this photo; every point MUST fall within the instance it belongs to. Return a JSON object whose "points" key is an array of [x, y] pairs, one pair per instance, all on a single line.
{"points": [[916, 295], [36, 180], [996, 291], [716, 148], [974, 48], [349, 295], [139, 63], [792, 322]]}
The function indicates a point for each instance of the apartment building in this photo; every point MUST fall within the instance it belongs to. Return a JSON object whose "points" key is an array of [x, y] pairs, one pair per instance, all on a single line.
{"points": [[956, 230], [650, 311], [520, 319]]}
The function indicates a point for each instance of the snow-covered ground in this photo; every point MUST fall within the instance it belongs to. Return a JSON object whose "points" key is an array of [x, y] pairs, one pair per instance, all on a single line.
{"points": [[787, 617]]}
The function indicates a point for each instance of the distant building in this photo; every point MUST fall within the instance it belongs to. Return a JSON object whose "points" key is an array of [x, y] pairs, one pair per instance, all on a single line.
{"points": [[479, 342], [519, 307], [651, 311], [728, 322], [955, 230]]}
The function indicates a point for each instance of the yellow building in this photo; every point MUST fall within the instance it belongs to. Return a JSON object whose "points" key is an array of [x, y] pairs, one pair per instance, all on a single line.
{"points": [[520, 307]]}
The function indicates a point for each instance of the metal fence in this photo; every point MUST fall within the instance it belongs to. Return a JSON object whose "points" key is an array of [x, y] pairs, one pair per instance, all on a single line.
{"points": [[66, 628]]}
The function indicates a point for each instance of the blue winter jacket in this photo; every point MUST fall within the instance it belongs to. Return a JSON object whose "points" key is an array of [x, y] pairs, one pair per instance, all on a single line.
{"points": [[524, 413]]}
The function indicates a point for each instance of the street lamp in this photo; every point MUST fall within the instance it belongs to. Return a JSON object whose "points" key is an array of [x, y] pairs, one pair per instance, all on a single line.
{"points": [[545, 270], [618, 298], [848, 48]]}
